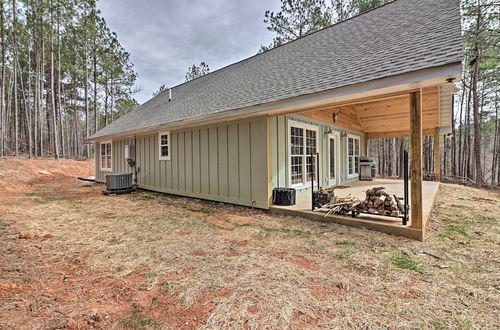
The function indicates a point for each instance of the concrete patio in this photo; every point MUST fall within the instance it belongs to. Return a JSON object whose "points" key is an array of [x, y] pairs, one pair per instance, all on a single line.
{"points": [[387, 225]]}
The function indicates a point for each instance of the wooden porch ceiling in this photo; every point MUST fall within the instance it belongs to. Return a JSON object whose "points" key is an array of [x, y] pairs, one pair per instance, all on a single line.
{"points": [[383, 117]]}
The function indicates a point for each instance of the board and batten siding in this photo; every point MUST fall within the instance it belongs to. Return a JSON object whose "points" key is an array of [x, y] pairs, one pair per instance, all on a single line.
{"points": [[118, 162], [445, 107], [225, 162], [280, 156], [100, 176]]}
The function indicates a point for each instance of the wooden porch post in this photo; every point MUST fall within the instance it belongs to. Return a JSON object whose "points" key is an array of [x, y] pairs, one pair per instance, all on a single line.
{"points": [[416, 214], [437, 156]]}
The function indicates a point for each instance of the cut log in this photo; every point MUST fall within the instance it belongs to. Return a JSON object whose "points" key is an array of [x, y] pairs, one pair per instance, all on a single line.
{"points": [[398, 203]]}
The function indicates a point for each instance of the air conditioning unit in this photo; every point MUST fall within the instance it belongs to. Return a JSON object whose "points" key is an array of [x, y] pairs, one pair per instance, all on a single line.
{"points": [[119, 181]]}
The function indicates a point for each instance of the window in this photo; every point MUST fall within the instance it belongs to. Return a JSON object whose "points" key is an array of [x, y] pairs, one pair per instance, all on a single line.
{"points": [[352, 156], [164, 146], [105, 156], [303, 142]]}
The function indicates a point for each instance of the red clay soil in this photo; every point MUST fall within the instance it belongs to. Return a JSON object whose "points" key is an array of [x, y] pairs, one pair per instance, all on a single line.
{"points": [[43, 286], [303, 262], [19, 174]]}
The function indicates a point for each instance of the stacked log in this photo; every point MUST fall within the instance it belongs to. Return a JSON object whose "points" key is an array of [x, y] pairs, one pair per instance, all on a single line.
{"points": [[323, 196], [339, 205], [378, 201]]}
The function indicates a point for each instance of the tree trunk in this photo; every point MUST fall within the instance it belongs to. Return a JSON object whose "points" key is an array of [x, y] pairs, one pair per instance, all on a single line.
{"points": [[53, 91], [453, 157], [86, 104], [496, 150], [14, 73], [3, 119], [96, 115], [475, 102], [460, 125]]}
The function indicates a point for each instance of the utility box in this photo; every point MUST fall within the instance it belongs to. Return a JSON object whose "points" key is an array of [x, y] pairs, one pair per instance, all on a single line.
{"points": [[119, 181]]}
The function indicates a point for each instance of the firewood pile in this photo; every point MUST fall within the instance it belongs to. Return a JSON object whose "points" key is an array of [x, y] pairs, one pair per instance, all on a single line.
{"points": [[323, 196], [339, 205], [378, 201]]}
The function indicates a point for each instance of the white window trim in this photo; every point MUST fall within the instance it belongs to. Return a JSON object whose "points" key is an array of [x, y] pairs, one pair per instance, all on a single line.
{"points": [[105, 169], [169, 145], [356, 137], [305, 184]]}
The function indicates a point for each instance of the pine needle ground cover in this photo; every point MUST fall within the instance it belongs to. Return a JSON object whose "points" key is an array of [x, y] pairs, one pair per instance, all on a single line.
{"points": [[72, 257]]}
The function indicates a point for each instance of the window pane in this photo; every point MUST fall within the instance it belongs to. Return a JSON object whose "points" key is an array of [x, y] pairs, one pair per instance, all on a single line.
{"points": [[297, 141], [356, 164], [332, 158], [108, 148], [310, 142], [103, 149], [164, 140], [350, 165], [103, 161], [109, 162], [164, 151], [356, 143], [350, 146], [296, 169], [311, 168]]}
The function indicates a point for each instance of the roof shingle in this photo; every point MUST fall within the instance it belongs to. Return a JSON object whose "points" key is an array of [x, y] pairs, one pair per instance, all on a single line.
{"points": [[400, 37]]}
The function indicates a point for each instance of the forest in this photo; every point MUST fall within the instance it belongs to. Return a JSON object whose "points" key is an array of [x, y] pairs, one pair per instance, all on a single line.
{"points": [[64, 75], [470, 153]]}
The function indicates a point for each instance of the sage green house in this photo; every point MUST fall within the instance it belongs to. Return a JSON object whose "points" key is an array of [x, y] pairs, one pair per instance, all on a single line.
{"points": [[236, 133]]}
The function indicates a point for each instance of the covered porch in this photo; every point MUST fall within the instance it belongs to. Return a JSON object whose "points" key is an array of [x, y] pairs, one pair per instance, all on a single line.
{"points": [[412, 113], [389, 225]]}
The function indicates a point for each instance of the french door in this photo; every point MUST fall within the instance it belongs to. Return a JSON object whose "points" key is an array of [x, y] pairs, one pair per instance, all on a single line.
{"points": [[333, 159]]}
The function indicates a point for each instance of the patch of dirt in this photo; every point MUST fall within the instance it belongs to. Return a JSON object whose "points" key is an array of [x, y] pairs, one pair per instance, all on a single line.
{"points": [[241, 220], [18, 174], [253, 309], [34, 236], [10, 289], [197, 253], [169, 310], [321, 292], [303, 263], [302, 320], [220, 221]]}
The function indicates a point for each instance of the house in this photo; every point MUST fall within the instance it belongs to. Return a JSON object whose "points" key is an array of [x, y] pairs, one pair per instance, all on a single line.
{"points": [[235, 134]]}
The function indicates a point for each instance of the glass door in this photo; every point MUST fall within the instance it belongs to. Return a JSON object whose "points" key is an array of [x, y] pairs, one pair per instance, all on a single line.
{"points": [[333, 147]]}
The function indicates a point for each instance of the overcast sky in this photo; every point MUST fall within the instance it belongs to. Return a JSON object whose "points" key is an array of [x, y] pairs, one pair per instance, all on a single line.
{"points": [[165, 37]]}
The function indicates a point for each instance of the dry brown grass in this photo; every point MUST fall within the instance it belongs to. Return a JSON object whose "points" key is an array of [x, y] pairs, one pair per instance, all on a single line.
{"points": [[263, 270]]}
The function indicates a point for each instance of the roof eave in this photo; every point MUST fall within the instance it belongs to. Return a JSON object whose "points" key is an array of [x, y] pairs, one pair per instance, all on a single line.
{"points": [[407, 81]]}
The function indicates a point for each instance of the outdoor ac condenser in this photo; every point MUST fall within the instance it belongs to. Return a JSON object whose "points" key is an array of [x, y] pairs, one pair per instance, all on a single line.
{"points": [[118, 181]]}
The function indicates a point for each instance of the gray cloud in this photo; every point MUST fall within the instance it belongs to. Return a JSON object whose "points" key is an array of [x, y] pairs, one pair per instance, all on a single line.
{"points": [[165, 37]]}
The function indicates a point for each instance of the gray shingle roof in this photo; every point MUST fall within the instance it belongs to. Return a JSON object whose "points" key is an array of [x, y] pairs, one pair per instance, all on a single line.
{"points": [[400, 37]]}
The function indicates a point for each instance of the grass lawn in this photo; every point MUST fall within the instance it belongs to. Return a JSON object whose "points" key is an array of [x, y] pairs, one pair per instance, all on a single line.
{"points": [[72, 257]]}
